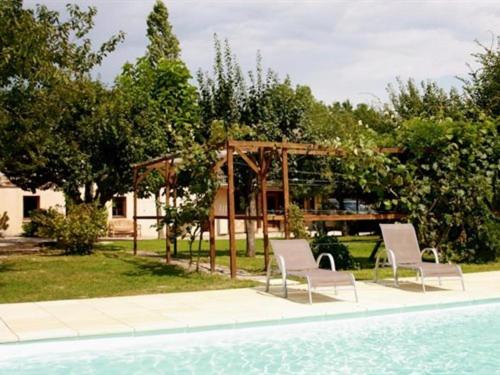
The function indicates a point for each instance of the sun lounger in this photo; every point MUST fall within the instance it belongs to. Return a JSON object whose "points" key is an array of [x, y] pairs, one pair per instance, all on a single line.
{"points": [[295, 258], [403, 252]]}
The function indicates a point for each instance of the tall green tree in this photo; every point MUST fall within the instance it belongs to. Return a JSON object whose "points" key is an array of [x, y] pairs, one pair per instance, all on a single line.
{"points": [[427, 100], [49, 103], [162, 104], [258, 106], [163, 43], [483, 84], [482, 89]]}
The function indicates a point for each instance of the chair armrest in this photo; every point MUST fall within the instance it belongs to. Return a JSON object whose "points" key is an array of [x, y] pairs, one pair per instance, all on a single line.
{"points": [[391, 257], [332, 262], [281, 264], [432, 250]]}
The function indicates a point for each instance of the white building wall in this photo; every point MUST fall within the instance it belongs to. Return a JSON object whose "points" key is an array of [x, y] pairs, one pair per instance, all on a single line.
{"points": [[11, 200], [220, 208], [145, 207]]}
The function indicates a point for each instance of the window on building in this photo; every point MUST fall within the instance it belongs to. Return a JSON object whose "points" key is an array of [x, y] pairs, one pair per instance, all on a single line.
{"points": [[119, 207], [30, 203]]}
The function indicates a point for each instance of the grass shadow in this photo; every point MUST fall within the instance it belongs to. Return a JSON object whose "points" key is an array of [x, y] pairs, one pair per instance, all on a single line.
{"points": [[108, 247], [4, 267], [143, 267]]}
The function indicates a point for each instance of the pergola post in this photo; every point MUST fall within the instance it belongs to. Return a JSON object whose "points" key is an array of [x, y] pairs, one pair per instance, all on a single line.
{"points": [[175, 220], [167, 203], [231, 210], [286, 191], [135, 211], [263, 195], [211, 231]]}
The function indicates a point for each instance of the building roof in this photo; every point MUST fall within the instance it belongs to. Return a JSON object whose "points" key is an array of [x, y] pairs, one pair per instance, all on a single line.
{"points": [[5, 182]]}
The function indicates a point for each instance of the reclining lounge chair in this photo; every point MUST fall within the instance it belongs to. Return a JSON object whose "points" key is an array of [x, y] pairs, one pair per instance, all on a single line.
{"points": [[403, 252], [295, 258]]}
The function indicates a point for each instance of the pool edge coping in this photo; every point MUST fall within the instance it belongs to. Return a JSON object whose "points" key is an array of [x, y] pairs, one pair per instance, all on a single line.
{"points": [[266, 323]]}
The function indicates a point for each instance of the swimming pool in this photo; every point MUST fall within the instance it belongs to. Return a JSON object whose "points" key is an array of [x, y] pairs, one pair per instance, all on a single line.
{"points": [[458, 340]]}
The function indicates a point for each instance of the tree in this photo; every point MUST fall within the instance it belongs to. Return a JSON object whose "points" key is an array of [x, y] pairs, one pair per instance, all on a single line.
{"points": [[483, 92], [162, 104], [448, 189], [49, 103], [222, 97], [483, 85], [163, 44], [197, 186], [335, 121], [429, 100], [260, 107], [161, 110]]}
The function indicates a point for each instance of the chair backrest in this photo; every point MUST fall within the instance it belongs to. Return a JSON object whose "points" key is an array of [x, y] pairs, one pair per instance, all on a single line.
{"points": [[296, 253], [402, 240]]}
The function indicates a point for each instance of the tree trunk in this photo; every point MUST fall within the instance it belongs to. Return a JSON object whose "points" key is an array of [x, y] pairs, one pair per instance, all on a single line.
{"points": [[250, 226], [159, 228], [198, 258], [89, 192], [192, 239], [72, 196]]}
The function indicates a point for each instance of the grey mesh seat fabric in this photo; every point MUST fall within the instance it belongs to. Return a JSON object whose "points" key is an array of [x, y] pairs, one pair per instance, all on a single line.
{"points": [[294, 257], [403, 252]]}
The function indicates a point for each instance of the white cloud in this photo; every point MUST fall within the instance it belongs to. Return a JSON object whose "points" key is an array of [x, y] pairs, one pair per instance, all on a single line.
{"points": [[341, 49]]}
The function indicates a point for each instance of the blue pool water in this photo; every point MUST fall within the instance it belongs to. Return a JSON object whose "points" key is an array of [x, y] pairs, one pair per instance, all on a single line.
{"points": [[461, 340]]}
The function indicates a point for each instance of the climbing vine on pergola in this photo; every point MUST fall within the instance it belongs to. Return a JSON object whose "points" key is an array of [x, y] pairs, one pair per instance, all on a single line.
{"points": [[258, 156]]}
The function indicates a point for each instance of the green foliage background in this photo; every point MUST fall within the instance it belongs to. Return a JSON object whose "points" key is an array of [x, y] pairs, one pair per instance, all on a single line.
{"points": [[62, 128]]}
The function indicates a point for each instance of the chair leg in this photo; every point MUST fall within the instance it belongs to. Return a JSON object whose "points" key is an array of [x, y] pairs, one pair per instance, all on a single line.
{"points": [[375, 271], [285, 289], [422, 278], [395, 274], [309, 291], [461, 277], [354, 287]]}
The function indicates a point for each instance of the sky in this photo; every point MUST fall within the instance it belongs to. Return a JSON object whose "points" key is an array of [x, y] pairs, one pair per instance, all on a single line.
{"points": [[341, 49]]}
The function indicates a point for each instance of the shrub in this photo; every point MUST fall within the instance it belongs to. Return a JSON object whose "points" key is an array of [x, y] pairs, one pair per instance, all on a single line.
{"points": [[480, 246], [296, 222], [38, 218], [29, 229], [4, 222], [322, 243], [76, 232], [450, 188]]}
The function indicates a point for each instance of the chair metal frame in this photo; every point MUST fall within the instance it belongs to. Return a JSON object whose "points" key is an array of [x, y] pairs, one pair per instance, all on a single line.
{"points": [[284, 274], [390, 260]]}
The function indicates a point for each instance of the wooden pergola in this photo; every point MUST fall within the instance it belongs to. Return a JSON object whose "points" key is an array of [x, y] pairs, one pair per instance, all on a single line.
{"points": [[258, 156]]}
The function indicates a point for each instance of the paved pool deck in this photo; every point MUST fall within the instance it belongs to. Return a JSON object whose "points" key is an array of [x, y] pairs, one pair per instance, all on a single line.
{"points": [[196, 310]]}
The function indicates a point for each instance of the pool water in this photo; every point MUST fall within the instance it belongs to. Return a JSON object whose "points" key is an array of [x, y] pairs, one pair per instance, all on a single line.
{"points": [[460, 340]]}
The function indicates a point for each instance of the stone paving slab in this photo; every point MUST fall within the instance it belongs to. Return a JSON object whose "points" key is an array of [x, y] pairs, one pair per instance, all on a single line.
{"points": [[144, 313]]}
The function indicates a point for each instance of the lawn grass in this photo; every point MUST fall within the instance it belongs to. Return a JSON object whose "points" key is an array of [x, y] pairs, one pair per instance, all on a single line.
{"points": [[113, 271], [110, 272], [359, 246]]}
